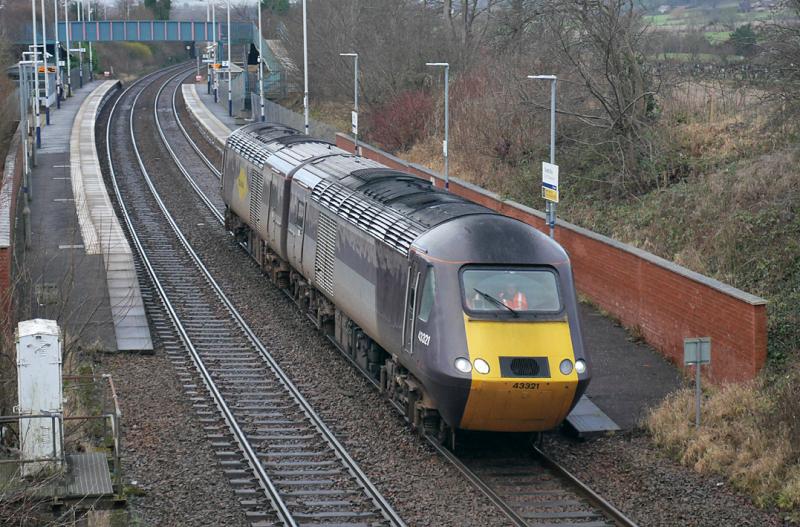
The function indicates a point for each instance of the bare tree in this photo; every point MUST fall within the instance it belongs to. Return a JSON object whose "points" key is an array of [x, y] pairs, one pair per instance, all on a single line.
{"points": [[604, 42], [780, 53], [394, 40]]}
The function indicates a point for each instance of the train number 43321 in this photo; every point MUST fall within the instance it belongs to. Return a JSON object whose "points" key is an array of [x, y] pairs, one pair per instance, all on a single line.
{"points": [[526, 385]]}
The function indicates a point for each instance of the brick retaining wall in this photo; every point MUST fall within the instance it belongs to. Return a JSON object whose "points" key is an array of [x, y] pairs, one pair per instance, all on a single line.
{"points": [[9, 191], [660, 300]]}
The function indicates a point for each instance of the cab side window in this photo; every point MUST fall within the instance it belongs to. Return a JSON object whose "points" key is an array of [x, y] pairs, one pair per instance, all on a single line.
{"points": [[300, 213], [428, 295]]}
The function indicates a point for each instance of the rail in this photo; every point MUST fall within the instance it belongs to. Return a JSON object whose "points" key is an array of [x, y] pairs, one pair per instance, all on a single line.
{"points": [[255, 463]]}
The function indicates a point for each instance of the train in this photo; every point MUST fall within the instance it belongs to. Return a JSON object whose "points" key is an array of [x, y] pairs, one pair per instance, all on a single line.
{"points": [[465, 318]]}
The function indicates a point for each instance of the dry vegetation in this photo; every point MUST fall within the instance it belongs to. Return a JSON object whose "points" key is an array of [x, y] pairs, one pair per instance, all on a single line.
{"points": [[750, 433]]}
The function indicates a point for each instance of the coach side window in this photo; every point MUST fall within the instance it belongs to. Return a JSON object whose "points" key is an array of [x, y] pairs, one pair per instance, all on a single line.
{"points": [[428, 294]]}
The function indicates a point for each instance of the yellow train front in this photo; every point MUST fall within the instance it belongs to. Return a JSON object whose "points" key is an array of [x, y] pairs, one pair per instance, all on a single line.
{"points": [[496, 337]]}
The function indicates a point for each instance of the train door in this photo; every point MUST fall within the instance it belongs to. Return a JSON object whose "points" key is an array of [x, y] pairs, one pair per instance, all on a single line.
{"points": [[423, 325], [297, 215], [412, 286], [274, 214]]}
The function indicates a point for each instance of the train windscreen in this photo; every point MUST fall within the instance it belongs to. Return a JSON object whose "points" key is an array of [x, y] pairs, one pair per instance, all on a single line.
{"points": [[510, 290]]}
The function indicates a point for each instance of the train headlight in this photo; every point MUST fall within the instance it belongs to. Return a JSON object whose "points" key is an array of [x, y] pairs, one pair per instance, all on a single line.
{"points": [[580, 366], [565, 367], [481, 366], [463, 365]]}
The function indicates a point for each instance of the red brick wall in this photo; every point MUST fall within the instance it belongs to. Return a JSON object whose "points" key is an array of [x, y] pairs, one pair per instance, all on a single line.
{"points": [[11, 174], [662, 301]]}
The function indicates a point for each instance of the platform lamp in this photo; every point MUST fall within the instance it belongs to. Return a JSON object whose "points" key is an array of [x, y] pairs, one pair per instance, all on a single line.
{"points": [[550, 210], [446, 66], [79, 5], [230, 64], [69, 60], [36, 76], [355, 99], [305, 68], [260, 62], [91, 59], [59, 87], [44, 61], [215, 51]]}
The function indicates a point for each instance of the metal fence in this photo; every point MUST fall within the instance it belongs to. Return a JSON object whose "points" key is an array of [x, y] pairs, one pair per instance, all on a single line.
{"points": [[276, 113]]}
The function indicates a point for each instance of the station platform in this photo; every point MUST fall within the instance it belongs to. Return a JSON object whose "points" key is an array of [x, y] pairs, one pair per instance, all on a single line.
{"points": [[212, 117], [79, 267], [628, 376]]}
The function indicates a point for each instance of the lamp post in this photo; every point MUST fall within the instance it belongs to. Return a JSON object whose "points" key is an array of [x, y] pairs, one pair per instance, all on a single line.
{"points": [[91, 62], [56, 53], [305, 68], [69, 63], [355, 99], [36, 76], [551, 206], [79, 5], [446, 66], [44, 61], [230, 64], [214, 72], [208, 47], [260, 62]]}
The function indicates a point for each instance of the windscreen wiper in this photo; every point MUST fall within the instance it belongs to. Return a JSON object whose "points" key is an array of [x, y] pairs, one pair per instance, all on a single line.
{"points": [[496, 301]]}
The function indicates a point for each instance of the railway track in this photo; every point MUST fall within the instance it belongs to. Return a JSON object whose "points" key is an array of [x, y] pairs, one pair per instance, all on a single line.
{"points": [[284, 464], [531, 489]]}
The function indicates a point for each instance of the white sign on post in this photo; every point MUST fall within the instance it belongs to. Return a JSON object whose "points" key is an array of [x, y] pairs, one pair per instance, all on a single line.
{"points": [[550, 182], [354, 121]]}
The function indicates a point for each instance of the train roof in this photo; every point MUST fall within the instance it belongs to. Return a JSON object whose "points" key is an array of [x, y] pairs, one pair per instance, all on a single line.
{"points": [[393, 206]]}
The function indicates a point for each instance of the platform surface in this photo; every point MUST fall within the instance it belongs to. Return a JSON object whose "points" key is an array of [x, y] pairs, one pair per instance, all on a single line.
{"points": [[67, 270], [59, 280], [212, 117], [101, 231]]}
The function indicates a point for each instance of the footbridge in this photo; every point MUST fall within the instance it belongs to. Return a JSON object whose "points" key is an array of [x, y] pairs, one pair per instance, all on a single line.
{"points": [[243, 35]]}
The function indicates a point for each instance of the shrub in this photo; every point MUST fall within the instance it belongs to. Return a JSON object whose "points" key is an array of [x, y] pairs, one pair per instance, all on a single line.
{"points": [[402, 121], [750, 433]]}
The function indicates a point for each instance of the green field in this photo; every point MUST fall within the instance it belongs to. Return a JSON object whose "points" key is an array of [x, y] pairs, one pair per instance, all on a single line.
{"points": [[718, 37], [726, 13]]}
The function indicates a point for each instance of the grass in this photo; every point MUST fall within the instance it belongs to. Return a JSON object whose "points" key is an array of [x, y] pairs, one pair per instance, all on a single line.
{"points": [[727, 12], [694, 57], [718, 37], [749, 433]]}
